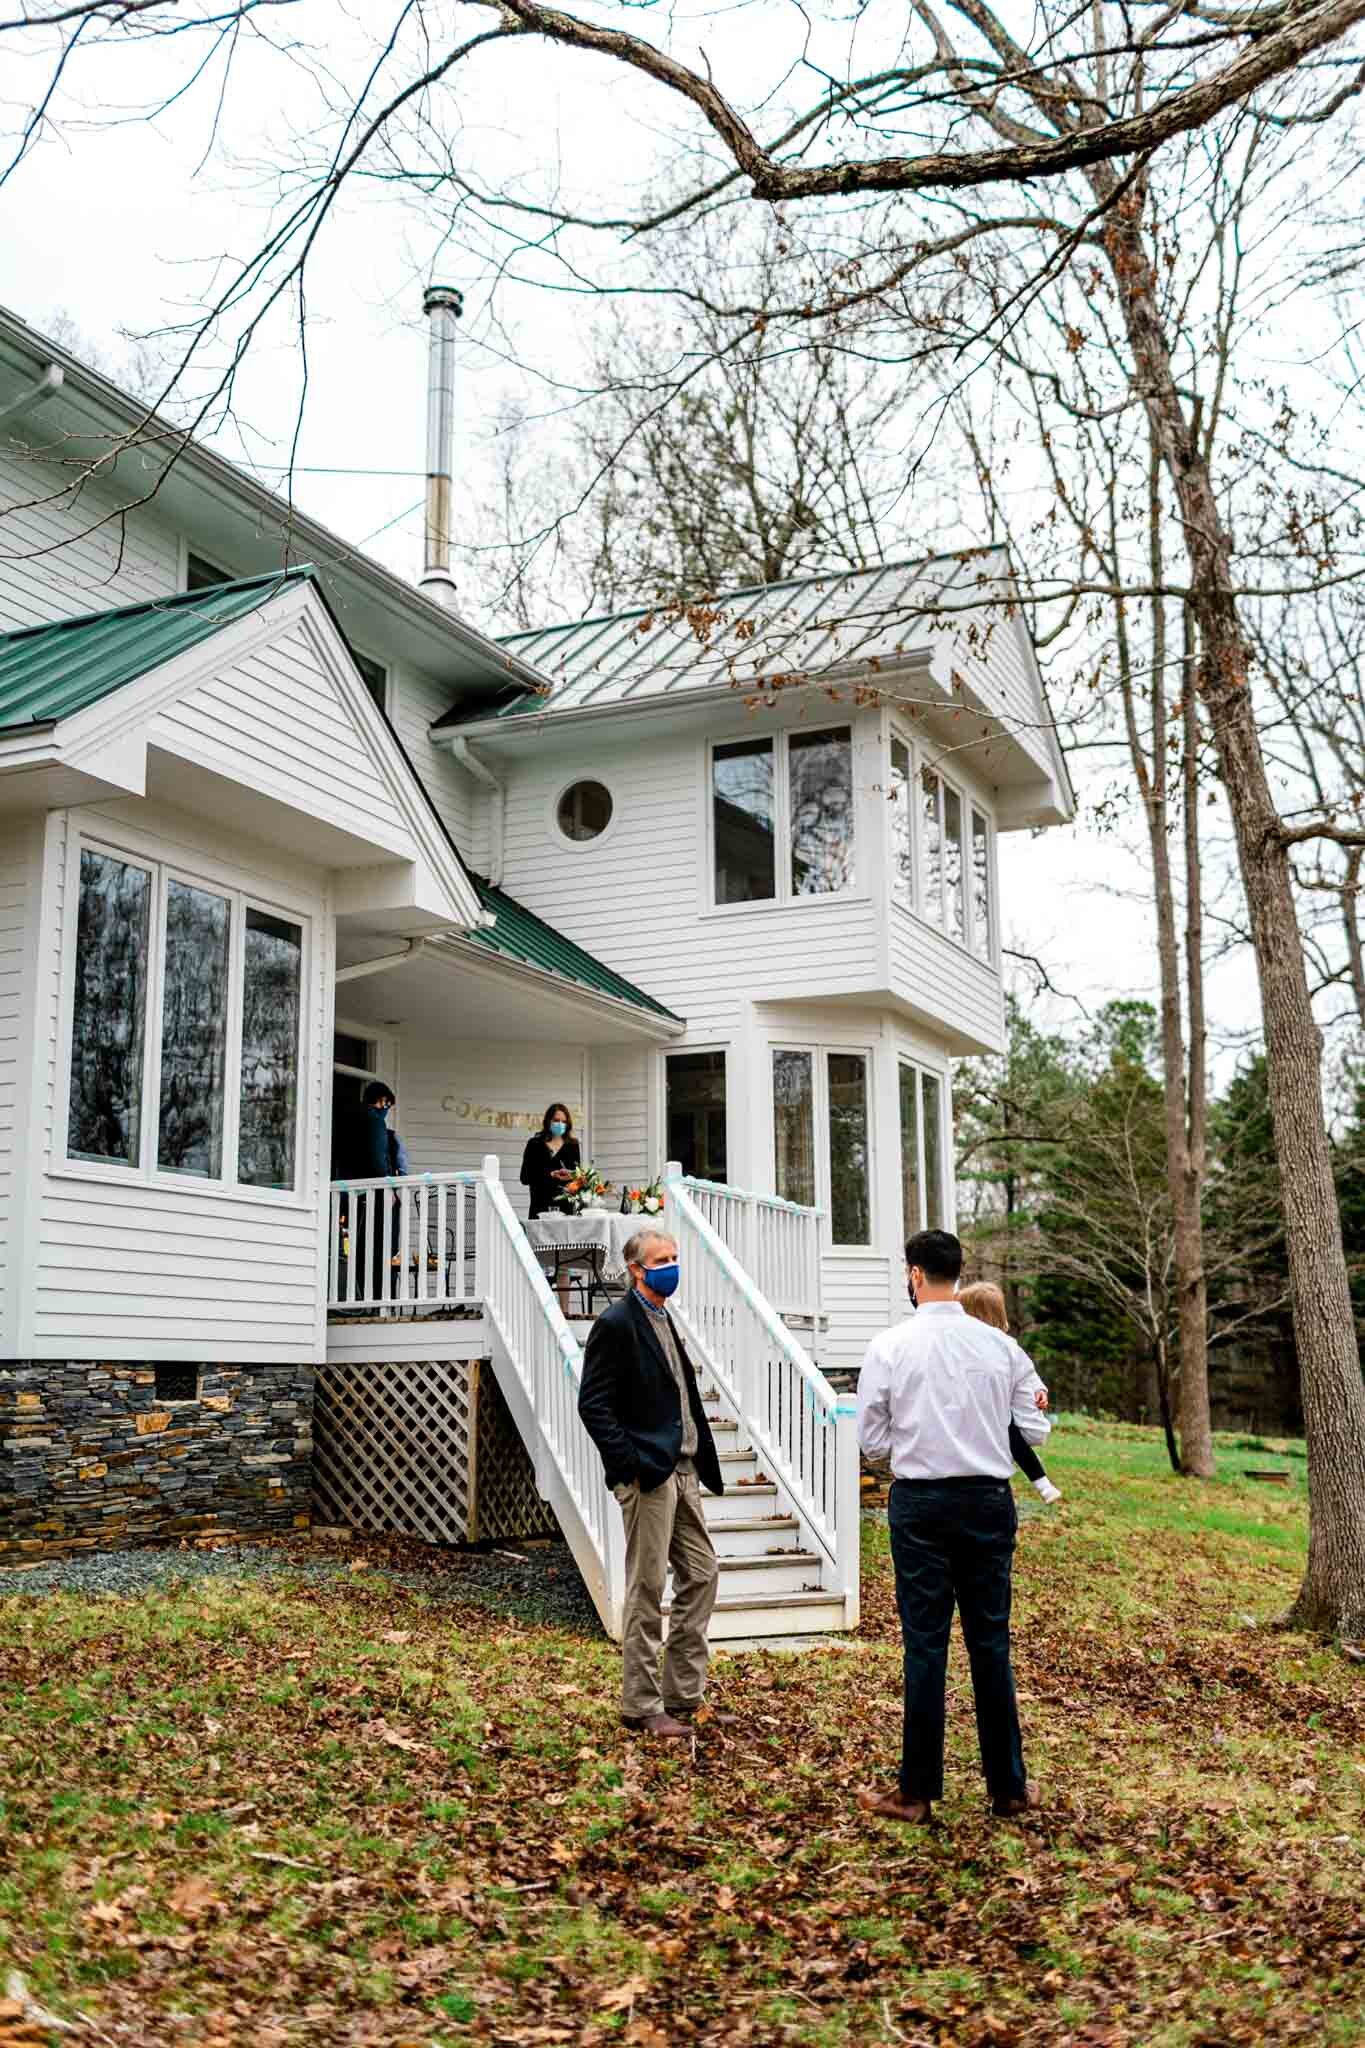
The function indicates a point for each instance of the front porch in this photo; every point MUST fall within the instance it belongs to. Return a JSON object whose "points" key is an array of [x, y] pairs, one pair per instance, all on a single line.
{"points": [[457, 1309]]}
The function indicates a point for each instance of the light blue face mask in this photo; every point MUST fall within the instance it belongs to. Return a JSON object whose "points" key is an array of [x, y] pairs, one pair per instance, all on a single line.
{"points": [[557, 1129], [662, 1280]]}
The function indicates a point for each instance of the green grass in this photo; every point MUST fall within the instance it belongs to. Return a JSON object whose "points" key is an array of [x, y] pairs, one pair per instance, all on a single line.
{"points": [[276, 1811]]}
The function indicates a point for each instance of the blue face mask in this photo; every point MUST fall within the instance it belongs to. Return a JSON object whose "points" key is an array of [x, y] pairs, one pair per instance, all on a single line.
{"points": [[557, 1129], [662, 1279]]}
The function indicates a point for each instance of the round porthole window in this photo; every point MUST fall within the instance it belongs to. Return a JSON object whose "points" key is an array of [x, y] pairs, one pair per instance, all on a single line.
{"points": [[584, 810]]}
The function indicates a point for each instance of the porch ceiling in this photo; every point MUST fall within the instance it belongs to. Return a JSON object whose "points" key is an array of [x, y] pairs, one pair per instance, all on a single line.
{"points": [[452, 988]]}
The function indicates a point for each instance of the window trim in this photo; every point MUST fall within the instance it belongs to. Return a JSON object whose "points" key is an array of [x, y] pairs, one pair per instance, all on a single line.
{"points": [[783, 897], [147, 1174], [820, 1052], [599, 839]]}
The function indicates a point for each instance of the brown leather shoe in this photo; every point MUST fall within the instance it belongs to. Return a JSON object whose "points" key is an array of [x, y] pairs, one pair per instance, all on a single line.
{"points": [[662, 1725], [891, 1806], [1015, 1809]]}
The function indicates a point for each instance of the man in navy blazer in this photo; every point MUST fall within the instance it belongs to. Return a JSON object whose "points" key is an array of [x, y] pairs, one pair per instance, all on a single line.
{"points": [[640, 1405]]}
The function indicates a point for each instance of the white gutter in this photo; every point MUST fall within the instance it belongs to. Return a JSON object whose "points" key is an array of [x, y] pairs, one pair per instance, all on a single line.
{"points": [[411, 949], [661, 701], [48, 385], [497, 835]]}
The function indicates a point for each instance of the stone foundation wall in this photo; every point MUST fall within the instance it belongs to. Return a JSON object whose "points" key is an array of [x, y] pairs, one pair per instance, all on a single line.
{"points": [[92, 1459]]}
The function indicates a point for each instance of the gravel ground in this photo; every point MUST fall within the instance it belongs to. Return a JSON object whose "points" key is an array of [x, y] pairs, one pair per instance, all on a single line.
{"points": [[535, 1581]]}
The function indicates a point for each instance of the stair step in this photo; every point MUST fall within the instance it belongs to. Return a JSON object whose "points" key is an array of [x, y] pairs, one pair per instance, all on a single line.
{"points": [[770, 1560], [753, 1535], [758, 1577], [774, 1614], [737, 1457]]}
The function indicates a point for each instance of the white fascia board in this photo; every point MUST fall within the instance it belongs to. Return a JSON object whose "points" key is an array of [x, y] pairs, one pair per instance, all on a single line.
{"points": [[532, 723], [470, 954]]}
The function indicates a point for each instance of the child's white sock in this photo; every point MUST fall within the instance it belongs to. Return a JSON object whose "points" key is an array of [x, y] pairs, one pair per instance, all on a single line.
{"points": [[1049, 1492]]}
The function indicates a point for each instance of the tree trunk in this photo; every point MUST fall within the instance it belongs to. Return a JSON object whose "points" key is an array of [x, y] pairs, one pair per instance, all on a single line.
{"points": [[1163, 1395], [1184, 1172], [1332, 1596], [1192, 1290]]}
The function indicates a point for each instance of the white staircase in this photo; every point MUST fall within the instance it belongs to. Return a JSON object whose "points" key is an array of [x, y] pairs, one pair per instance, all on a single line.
{"points": [[786, 1528]]}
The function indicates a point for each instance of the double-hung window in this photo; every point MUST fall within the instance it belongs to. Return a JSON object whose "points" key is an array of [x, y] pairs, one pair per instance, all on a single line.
{"points": [[782, 816], [821, 1137], [186, 1026], [956, 887]]}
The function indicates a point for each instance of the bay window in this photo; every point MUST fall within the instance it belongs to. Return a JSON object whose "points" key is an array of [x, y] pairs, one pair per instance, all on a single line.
{"points": [[957, 890], [186, 1027], [821, 1137], [924, 1196], [789, 790]]}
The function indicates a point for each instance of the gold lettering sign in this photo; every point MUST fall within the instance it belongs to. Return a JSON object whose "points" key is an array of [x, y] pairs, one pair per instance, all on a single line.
{"points": [[466, 1112]]}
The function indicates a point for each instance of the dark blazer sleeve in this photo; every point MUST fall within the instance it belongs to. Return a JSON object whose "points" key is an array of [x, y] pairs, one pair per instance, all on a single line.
{"points": [[528, 1161], [609, 1352]]}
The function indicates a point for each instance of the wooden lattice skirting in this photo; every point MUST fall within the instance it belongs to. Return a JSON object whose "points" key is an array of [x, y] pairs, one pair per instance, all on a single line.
{"points": [[422, 1448]]}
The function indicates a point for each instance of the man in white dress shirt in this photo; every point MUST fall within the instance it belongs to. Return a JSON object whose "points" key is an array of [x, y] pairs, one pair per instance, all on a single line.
{"points": [[937, 1395]]}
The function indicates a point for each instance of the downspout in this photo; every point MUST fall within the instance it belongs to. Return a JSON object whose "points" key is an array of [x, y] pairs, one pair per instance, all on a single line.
{"points": [[497, 831]]}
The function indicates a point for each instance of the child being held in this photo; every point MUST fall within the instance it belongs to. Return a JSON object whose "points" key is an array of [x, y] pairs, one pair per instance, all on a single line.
{"points": [[985, 1301]]}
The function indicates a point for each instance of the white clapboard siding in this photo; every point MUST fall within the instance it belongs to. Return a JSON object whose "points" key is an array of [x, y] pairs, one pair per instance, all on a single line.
{"points": [[275, 722], [856, 1301], [149, 1269], [416, 701], [621, 1077], [61, 555], [436, 1077], [636, 898], [20, 853], [945, 984]]}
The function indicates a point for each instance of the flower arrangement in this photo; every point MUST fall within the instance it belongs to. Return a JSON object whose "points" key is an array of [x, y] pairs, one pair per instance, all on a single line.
{"points": [[647, 1201], [587, 1190]]}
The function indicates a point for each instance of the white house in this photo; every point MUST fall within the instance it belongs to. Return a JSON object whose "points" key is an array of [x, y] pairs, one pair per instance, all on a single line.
{"points": [[725, 880]]}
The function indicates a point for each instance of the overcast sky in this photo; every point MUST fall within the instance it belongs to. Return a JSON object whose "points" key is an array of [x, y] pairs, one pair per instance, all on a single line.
{"points": [[118, 226]]}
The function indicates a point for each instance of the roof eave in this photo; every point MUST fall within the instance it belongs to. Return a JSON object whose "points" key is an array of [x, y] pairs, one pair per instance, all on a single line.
{"points": [[82, 385], [522, 723], [659, 1026]]}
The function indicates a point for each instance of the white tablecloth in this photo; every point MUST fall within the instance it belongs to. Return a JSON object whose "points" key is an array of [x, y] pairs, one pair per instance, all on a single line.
{"points": [[604, 1231]]}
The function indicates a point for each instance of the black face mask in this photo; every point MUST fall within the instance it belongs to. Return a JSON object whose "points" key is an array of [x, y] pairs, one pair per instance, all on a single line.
{"points": [[914, 1298]]}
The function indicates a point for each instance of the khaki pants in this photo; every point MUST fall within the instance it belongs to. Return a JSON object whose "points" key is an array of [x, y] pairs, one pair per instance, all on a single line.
{"points": [[666, 1527]]}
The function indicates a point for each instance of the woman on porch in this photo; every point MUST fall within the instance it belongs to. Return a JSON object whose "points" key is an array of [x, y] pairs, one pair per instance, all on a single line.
{"points": [[550, 1160], [548, 1164]]}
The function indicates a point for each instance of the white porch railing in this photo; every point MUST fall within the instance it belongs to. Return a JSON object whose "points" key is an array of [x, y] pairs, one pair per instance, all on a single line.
{"points": [[776, 1242], [805, 1433], [540, 1369], [402, 1244]]}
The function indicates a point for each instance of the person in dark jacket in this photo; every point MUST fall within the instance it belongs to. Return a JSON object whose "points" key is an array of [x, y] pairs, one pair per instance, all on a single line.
{"points": [[640, 1405], [364, 1148], [550, 1160]]}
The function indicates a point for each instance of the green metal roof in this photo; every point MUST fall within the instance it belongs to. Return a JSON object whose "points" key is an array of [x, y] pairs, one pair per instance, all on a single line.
{"points": [[50, 672], [522, 936]]}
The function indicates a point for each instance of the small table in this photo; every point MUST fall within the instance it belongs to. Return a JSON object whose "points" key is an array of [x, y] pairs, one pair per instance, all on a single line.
{"points": [[596, 1238]]}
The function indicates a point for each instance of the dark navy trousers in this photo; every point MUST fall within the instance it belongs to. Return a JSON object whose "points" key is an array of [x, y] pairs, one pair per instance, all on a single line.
{"points": [[952, 1542]]}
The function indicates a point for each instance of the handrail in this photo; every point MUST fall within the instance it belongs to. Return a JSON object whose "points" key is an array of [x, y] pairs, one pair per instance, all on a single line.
{"points": [[725, 1187], [539, 1366], [802, 1430], [775, 1241], [401, 1241]]}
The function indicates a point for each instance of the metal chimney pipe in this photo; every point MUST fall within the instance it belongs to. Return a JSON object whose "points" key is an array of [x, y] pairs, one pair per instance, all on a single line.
{"points": [[443, 306]]}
